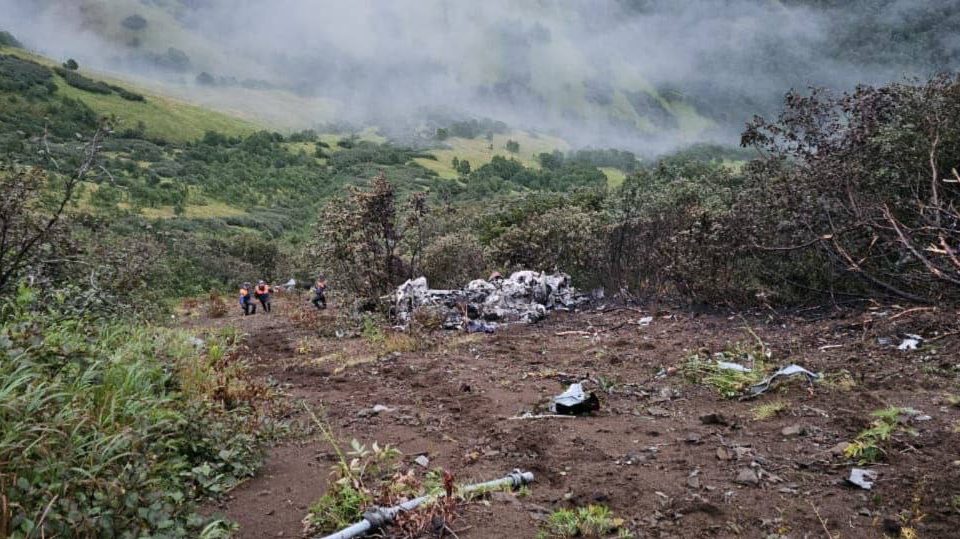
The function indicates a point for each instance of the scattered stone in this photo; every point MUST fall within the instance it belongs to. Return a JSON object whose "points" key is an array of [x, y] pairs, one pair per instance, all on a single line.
{"points": [[724, 454], [381, 408], [657, 411], [793, 430], [839, 449], [714, 419], [692, 438], [746, 476], [693, 480], [422, 460]]}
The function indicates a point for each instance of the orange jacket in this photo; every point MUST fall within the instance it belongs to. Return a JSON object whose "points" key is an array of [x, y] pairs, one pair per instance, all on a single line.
{"points": [[260, 290]]}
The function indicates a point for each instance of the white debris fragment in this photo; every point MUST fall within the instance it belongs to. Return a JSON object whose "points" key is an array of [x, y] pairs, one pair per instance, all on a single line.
{"points": [[728, 366], [862, 478], [910, 342]]}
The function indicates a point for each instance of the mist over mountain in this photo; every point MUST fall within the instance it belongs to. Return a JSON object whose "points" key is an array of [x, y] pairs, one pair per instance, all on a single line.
{"points": [[642, 74]]}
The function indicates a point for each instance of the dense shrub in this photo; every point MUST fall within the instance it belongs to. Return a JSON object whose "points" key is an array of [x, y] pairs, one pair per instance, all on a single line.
{"points": [[21, 75], [452, 260], [134, 22], [83, 83], [7, 40]]}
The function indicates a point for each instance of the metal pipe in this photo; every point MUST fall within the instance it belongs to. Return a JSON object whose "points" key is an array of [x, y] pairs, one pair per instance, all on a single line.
{"points": [[378, 516]]}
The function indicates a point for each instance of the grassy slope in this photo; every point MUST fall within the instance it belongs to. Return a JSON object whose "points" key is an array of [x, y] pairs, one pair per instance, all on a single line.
{"points": [[164, 117], [478, 151]]}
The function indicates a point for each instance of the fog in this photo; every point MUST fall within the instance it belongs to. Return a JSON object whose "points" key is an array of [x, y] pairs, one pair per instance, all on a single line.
{"points": [[641, 74]]}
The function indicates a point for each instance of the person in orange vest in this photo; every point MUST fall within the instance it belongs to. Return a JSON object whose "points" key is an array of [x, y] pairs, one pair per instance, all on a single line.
{"points": [[262, 293], [246, 300], [320, 293]]}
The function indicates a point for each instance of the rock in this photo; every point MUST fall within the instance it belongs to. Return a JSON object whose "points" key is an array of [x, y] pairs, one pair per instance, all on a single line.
{"points": [[724, 454], [747, 476], [381, 408], [657, 411], [422, 460], [693, 481], [692, 438], [714, 419], [793, 430], [839, 449]]}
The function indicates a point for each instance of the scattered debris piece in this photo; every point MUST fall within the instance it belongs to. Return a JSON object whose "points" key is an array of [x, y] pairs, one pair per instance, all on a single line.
{"points": [[862, 478], [724, 454], [645, 321], [884, 341], [910, 342], [526, 296], [479, 326], [786, 372], [575, 401], [378, 408], [729, 366], [422, 460]]}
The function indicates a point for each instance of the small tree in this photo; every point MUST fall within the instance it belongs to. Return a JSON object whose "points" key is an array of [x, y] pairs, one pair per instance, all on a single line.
{"points": [[362, 239], [71, 64], [513, 146], [456, 163], [464, 167], [25, 224]]}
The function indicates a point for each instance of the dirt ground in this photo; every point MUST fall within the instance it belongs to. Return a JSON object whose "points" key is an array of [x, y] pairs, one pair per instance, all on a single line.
{"points": [[672, 457]]}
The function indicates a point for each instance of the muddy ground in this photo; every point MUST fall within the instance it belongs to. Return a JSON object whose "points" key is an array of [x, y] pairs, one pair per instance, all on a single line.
{"points": [[670, 456]]}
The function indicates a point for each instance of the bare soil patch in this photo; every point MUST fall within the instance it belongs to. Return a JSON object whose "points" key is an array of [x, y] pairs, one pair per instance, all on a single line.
{"points": [[672, 457]]}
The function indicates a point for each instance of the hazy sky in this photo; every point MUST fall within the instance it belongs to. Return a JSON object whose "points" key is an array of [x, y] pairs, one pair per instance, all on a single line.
{"points": [[582, 69]]}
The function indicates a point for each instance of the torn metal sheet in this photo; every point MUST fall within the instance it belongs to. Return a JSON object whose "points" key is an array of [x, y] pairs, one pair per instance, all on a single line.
{"points": [[575, 401], [862, 478], [786, 372]]}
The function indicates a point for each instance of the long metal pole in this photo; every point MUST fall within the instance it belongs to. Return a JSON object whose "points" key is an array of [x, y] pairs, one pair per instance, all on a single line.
{"points": [[379, 516]]}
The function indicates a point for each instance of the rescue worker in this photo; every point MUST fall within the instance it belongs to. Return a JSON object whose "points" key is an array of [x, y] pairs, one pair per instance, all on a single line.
{"points": [[246, 300], [320, 293], [262, 293]]}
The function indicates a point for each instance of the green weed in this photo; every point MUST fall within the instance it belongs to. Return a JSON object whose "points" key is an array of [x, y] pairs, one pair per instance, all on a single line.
{"points": [[867, 447], [108, 430], [592, 521], [730, 383], [358, 478], [769, 410]]}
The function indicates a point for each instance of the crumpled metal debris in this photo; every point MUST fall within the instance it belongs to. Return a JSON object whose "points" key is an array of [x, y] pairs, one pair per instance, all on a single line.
{"points": [[862, 478], [910, 342], [789, 370], [526, 296], [575, 401]]}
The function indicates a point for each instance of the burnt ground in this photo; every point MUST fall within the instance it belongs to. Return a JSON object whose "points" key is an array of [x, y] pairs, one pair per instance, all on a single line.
{"points": [[664, 453]]}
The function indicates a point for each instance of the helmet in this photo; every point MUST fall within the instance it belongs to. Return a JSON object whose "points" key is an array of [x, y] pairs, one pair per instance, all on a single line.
{"points": [[261, 281]]}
